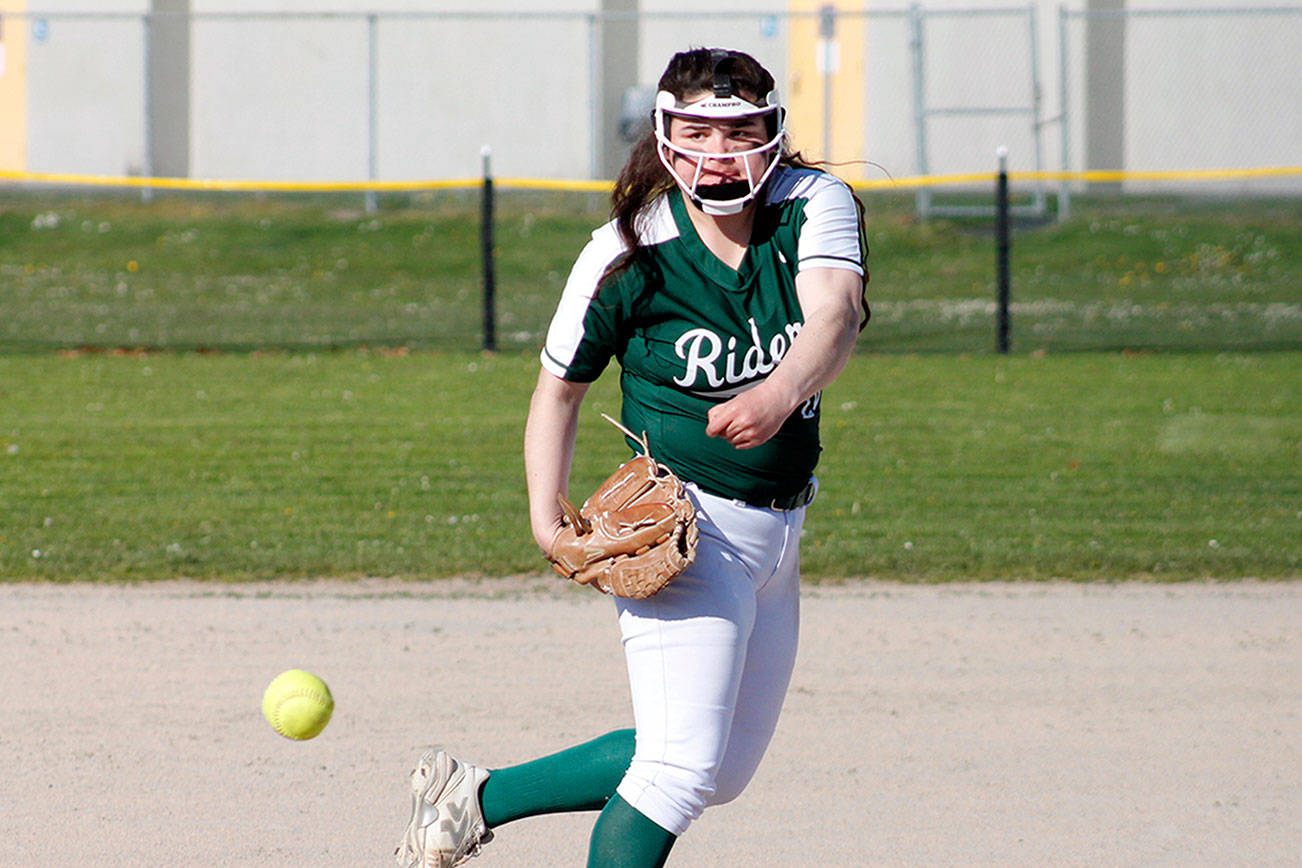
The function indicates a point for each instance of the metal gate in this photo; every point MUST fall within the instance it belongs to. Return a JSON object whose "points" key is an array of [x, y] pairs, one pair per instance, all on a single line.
{"points": [[924, 112]]}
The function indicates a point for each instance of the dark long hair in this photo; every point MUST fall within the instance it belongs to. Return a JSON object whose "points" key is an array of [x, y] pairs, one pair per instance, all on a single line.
{"points": [[644, 177]]}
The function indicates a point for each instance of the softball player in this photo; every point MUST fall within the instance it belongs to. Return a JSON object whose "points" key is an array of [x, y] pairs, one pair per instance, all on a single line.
{"points": [[730, 287]]}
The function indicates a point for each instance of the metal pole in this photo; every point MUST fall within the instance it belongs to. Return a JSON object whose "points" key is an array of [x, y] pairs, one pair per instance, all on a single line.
{"points": [[147, 193], [486, 243], [594, 99], [372, 133], [1001, 253], [1036, 99], [922, 198], [1064, 65]]}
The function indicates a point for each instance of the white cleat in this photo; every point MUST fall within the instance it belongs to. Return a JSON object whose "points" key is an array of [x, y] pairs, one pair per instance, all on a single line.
{"points": [[447, 823]]}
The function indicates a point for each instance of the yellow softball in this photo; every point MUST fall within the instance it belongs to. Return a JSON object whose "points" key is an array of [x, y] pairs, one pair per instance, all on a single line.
{"points": [[297, 704]]}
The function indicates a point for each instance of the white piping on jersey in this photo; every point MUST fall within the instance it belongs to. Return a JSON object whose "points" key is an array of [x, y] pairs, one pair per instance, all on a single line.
{"points": [[656, 225], [794, 183], [726, 393]]}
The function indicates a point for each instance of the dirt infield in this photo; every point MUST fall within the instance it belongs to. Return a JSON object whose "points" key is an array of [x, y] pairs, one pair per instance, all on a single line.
{"points": [[959, 724]]}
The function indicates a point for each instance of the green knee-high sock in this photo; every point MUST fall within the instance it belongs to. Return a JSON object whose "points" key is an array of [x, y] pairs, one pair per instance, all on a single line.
{"points": [[581, 778], [626, 838]]}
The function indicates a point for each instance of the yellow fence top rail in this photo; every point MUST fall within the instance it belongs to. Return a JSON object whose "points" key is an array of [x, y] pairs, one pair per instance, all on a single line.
{"points": [[237, 185], [906, 183]]}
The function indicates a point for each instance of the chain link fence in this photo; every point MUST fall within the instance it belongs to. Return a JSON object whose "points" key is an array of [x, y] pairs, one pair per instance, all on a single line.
{"points": [[923, 90], [1156, 92]]}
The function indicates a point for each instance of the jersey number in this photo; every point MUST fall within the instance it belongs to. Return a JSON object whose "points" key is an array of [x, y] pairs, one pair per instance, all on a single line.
{"points": [[809, 409]]}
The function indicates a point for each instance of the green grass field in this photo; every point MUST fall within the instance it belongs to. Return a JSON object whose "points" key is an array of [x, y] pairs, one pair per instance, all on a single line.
{"points": [[341, 423], [239, 273], [240, 466]]}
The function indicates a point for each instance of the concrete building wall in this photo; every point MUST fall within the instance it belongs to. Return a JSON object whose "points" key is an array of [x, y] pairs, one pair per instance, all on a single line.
{"points": [[86, 87], [289, 98]]}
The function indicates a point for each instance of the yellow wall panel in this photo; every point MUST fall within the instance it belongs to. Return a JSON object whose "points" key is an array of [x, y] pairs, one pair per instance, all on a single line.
{"points": [[13, 86], [804, 90]]}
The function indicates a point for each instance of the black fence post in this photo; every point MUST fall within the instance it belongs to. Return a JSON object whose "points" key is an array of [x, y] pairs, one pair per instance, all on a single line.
{"points": [[1003, 324], [486, 244]]}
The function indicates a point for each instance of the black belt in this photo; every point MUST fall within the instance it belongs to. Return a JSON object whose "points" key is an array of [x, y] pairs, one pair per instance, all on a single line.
{"points": [[793, 501]]}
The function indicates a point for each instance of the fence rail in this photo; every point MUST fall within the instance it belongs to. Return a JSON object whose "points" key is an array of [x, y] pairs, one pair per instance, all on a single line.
{"points": [[911, 182]]}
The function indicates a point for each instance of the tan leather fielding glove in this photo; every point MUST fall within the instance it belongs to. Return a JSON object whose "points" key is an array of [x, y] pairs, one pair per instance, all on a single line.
{"points": [[633, 535]]}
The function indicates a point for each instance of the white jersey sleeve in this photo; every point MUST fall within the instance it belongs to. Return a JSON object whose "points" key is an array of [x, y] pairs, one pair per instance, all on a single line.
{"points": [[829, 236], [583, 336], [570, 326]]}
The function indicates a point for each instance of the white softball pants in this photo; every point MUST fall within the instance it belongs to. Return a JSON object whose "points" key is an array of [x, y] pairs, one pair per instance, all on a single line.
{"points": [[709, 660]]}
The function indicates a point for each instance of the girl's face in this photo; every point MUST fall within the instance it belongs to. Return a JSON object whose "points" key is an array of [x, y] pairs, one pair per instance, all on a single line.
{"points": [[719, 139]]}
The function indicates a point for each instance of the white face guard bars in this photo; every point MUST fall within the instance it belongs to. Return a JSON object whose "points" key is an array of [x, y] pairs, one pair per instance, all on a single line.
{"points": [[728, 198]]}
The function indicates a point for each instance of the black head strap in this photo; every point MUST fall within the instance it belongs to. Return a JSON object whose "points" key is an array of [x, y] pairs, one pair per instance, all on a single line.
{"points": [[722, 82]]}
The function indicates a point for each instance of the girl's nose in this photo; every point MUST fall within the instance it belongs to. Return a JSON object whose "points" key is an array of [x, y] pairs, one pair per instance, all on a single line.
{"points": [[718, 149], [718, 143]]}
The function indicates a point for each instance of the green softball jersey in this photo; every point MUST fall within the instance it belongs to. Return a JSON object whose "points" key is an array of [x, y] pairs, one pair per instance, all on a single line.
{"points": [[690, 332]]}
